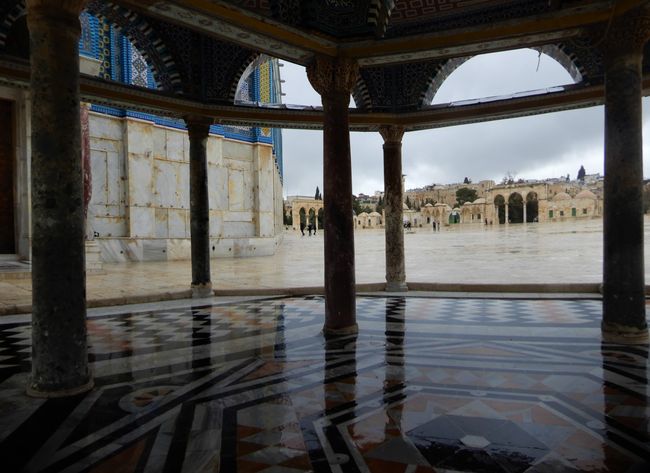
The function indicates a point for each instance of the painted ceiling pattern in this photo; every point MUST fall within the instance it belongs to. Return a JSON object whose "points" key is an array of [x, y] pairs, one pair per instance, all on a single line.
{"points": [[202, 57]]}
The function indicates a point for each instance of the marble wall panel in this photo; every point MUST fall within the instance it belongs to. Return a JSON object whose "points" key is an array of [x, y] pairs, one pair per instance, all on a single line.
{"points": [[216, 223], [265, 170], [176, 221], [139, 138], [142, 221], [238, 164], [154, 250], [238, 229], [179, 249], [159, 138], [167, 179], [266, 225], [103, 127], [218, 187], [235, 190], [115, 179], [162, 227], [175, 145], [237, 150], [140, 180], [248, 191], [120, 250], [98, 162], [244, 216], [186, 147], [214, 150], [109, 226]]}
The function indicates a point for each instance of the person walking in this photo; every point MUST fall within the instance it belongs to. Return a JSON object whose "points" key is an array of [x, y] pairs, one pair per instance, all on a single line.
{"points": [[302, 228]]}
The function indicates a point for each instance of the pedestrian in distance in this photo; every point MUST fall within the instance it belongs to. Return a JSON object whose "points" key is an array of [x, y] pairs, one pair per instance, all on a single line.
{"points": [[302, 228]]}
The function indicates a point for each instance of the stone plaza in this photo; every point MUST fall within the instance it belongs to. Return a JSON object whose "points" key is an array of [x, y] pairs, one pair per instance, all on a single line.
{"points": [[564, 256]]}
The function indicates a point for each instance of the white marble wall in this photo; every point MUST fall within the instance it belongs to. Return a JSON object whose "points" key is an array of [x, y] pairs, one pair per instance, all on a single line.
{"points": [[141, 193]]}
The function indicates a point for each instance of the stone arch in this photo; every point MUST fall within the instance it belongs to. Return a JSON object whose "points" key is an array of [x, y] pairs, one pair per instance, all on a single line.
{"points": [[360, 94], [145, 39], [515, 208], [554, 51], [245, 69], [532, 207], [302, 214], [7, 21], [500, 208]]}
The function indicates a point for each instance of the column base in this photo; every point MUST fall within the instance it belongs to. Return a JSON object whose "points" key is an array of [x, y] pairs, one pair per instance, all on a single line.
{"points": [[201, 291], [624, 334], [32, 391], [337, 332], [395, 286]]}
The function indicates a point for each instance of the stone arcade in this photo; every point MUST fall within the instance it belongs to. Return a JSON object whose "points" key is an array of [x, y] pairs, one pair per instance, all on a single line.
{"points": [[391, 56]]}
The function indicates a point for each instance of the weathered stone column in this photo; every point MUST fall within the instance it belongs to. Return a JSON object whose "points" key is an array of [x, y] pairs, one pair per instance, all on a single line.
{"points": [[507, 213], [59, 353], [393, 194], [624, 318], [524, 212], [198, 129], [333, 79]]}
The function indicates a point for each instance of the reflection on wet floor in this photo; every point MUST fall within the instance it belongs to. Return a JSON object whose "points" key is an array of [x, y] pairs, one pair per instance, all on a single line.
{"points": [[472, 385]]}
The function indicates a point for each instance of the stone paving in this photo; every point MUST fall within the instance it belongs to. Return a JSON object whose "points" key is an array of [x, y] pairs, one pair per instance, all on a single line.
{"points": [[553, 253]]}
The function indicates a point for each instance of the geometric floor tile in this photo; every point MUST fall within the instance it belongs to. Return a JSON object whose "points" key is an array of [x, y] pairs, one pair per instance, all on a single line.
{"points": [[428, 384]]}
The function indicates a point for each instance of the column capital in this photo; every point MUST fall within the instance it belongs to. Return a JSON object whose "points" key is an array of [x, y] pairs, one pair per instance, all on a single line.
{"points": [[332, 77], [392, 134], [198, 124], [626, 34]]}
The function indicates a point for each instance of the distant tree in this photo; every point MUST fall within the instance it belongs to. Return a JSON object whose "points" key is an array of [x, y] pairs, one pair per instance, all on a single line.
{"points": [[408, 202], [509, 178], [465, 194], [380, 205], [581, 174], [568, 177], [467, 180], [317, 196], [356, 205]]}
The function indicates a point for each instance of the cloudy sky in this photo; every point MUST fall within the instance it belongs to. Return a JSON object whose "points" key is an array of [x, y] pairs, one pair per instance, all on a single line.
{"points": [[537, 147]]}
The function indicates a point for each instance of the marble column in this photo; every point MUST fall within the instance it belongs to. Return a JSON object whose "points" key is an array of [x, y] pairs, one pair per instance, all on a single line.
{"points": [[507, 213], [524, 209], [393, 228], [198, 129], [333, 79], [624, 318], [59, 354]]}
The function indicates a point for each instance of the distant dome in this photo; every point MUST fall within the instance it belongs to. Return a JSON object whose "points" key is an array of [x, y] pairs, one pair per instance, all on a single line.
{"points": [[467, 203], [456, 209], [429, 205], [586, 194], [405, 207], [375, 214], [561, 196], [440, 204], [363, 214], [480, 200]]}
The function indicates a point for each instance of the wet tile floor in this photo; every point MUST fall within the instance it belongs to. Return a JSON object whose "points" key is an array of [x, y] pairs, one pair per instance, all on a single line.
{"points": [[428, 385]]}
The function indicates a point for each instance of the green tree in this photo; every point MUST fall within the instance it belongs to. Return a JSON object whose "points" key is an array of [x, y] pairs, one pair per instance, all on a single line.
{"points": [[380, 205], [408, 202], [581, 174], [465, 194], [317, 196]]}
